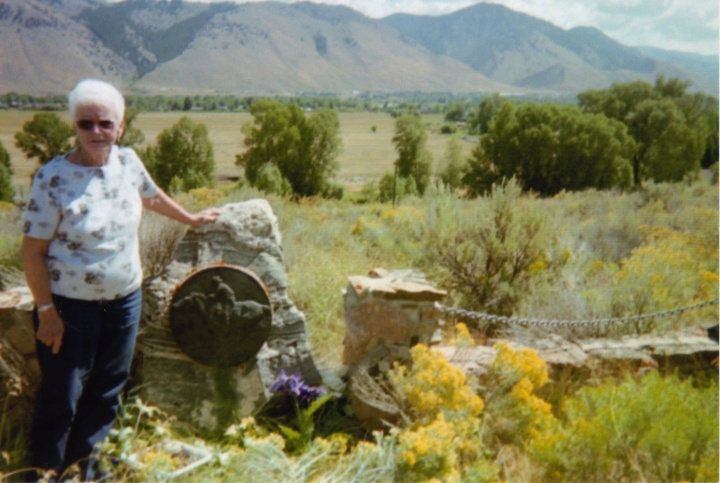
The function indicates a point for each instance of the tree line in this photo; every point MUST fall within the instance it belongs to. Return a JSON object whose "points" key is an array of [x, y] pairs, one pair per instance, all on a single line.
{"points": [[611, 138], [365, 101], [615, 137]]}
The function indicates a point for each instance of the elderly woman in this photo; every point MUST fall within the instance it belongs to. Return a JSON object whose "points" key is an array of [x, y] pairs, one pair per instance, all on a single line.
{"points": [[82, 265]]}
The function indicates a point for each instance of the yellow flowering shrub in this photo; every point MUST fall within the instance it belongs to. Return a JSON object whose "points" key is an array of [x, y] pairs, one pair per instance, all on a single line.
{"points": [[200, 198], [670, 270], [204, 197], [403, 215], [444, 438], [433, 385], [358, 226], [463, 338], [520, 364], [515, 413], [429, 451], [247, 428], [336, 443]]}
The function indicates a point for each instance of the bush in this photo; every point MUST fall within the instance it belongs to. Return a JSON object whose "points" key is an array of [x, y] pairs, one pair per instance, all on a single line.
{"points": [[515, 414], [10, 242], [370, 192], [448, 129], [333, 191], [270, 180], [670, 270], [652, 429], [7, 190], [442, 440], [395, 188], [488, 256]]}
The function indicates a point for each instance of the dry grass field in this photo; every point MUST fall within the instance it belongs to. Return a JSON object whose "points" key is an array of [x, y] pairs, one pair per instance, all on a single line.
{"points": [[367, 154]]}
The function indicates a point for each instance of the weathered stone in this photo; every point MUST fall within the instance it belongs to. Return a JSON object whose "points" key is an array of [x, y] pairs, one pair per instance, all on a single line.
{"points": [[373, 403], [371, 322], [16, 326], [667, 351], [396, 307], [472, 360], [246, 234], [392, 287]]}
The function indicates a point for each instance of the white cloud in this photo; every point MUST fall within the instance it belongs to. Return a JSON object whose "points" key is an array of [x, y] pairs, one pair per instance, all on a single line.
{"points": [[688, 25]]}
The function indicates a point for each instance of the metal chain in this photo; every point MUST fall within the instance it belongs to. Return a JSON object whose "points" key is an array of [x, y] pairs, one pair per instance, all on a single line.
{"points": [[501, 319]]}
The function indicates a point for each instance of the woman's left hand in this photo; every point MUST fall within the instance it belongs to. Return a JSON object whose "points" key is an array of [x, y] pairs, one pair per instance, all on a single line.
{"points": [[206, 216]]}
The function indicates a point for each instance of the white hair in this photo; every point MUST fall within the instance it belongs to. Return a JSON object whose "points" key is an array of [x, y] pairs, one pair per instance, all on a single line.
{"points": [[93, 91]]}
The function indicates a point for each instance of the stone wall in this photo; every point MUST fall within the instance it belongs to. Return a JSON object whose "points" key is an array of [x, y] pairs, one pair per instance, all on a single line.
{"points": [[388, 312]]}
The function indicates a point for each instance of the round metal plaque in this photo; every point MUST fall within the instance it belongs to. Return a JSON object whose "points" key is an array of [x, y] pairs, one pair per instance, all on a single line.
{"points": [[221, 316]]}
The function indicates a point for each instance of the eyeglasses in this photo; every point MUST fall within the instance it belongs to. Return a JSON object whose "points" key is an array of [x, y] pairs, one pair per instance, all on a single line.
{"points": [[87, 125]]}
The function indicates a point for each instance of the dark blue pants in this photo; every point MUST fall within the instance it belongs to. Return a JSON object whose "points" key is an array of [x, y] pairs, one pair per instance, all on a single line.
{"points": [[80, 389]]}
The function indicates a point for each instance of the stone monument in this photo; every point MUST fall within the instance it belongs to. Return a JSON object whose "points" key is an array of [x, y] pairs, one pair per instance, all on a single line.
{"points": [[218, 325]]}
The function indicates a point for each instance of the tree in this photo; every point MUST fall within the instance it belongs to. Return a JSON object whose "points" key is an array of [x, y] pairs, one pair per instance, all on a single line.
{"points": [[7, 191], [550, 148], [183, 158], [489, 105], [317, 151], [618, 101], [712, 149], [395, 188], [5, 158], [455, 112], [701, 112], [131, 136], [669, 147], [675, 131], [454, 165], [44, 137], [304, 149], [414, 159]]}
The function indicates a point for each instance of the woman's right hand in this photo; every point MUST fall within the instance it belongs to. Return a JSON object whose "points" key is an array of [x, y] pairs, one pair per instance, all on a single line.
{"points": [[51, 329], [34, 255]]}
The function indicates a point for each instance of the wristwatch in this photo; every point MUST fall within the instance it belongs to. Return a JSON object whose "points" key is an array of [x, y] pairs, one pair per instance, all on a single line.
{"points": [[43, 308]]}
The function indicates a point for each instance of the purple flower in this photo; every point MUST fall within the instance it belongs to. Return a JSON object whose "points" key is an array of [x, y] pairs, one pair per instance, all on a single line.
{"points": [[294, 386]]}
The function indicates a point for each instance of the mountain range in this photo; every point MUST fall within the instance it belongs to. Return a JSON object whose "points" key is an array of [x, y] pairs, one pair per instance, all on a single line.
{"points": [[184, 47]]}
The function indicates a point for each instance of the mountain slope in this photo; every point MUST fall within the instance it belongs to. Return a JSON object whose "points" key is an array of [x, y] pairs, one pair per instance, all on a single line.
{"points": [[521, 50], [706, 66], [188, 47], [267, 47], [44, 51]]}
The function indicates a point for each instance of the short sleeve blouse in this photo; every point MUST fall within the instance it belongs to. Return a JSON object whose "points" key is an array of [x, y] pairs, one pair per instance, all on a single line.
{"points": [[91, 215]]}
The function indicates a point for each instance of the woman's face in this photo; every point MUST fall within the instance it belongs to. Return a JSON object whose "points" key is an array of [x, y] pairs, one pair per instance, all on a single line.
{"points": [[96, 126]]}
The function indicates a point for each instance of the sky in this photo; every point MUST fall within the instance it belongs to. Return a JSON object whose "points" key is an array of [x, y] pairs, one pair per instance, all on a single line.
{"points": [[684, 25]]}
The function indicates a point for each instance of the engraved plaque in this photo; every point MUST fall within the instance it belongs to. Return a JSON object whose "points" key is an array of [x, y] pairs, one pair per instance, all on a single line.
{"points": [[221, 316]]}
